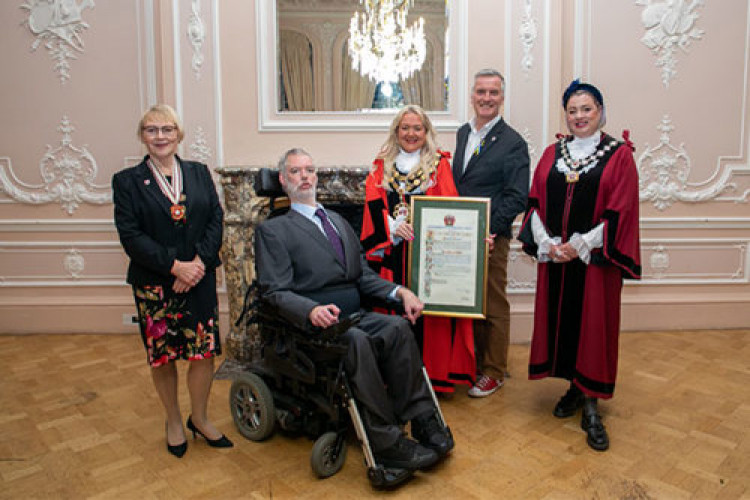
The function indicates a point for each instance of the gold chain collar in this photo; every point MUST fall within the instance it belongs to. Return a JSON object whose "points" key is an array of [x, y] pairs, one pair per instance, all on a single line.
{"points": [[406, 183]]}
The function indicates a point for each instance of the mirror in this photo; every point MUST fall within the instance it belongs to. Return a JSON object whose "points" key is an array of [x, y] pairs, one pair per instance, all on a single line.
{"points": [[315, 65], [305, 74]]}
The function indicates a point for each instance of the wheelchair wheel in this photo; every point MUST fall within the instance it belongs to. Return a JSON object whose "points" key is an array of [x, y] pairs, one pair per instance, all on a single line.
{"points": [[252, 408], [328, 455]]}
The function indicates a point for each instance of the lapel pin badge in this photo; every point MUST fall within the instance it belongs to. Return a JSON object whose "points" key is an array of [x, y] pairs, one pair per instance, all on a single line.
{"points": [[147, 182]]}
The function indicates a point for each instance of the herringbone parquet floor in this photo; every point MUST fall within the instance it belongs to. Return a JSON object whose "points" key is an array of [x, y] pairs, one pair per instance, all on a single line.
{"points": [[79, 418]]}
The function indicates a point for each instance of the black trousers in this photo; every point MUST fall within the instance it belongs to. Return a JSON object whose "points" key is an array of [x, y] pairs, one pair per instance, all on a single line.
{"points": [[385, 371]]}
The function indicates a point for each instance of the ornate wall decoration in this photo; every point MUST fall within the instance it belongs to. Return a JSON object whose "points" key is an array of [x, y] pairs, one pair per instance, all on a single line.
{"points": [[199, 150], [659, 261], [695, 261], [74, 263], [670, 25], [196, 33], [526, 134], [68, 173], [527, 32], [664, 171], [521, 270], [58, 24]]}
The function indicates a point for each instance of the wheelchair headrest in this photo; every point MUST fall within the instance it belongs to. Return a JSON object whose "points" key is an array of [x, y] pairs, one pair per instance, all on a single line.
{"points": [[267, 183]]}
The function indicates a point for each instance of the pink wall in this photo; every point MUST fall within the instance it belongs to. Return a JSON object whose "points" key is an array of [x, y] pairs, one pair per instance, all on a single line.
{"points": [[62, 268]]}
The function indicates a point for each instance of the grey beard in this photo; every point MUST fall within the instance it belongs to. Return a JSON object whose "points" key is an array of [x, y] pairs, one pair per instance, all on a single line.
{"points": [[302, 196]]}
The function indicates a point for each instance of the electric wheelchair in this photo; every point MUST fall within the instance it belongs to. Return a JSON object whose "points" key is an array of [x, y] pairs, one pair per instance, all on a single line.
{"points": [[298, 382]]}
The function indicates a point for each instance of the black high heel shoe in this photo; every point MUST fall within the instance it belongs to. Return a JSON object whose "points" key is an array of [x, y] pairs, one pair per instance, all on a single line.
{"points": [[222, 442], [177, 450]]}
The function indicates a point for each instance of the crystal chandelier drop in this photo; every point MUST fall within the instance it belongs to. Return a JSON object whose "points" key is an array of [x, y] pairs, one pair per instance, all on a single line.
{"points": [[381, 45]]}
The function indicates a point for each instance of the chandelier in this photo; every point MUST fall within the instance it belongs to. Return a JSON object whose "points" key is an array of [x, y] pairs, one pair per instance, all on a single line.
{"points": [[381, 45]]}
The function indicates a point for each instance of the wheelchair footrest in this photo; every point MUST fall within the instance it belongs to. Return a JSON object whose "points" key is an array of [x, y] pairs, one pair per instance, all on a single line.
{"points": [[381, 477]]}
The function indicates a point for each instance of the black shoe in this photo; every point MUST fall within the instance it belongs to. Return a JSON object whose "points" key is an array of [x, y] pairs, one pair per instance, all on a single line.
{"points": [[407, 454], [177, 450], [569, 403], [222, 442], [432, 434], [591, 422]]}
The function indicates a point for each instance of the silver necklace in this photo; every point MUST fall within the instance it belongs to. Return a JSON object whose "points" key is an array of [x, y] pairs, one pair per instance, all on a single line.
{"points": [[575, 166]]}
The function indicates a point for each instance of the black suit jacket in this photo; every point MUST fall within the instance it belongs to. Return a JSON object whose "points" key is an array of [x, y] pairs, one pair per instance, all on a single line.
{"points": [[296, 263], [500, 172], [147, 232]]}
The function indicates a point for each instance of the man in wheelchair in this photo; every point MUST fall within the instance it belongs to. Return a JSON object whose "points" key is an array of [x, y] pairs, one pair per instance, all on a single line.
{"points": [[311, 269]]}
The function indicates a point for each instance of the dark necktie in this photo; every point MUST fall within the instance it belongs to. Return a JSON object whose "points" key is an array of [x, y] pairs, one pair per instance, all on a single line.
{"points": [[331, 233]]}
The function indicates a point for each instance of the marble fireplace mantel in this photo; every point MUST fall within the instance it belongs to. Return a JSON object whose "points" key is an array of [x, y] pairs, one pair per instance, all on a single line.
{"points": [[244, 210]]}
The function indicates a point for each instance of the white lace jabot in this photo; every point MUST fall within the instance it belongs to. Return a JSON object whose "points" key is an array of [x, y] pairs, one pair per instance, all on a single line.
{"points": [[581, 148], [407, 161]]}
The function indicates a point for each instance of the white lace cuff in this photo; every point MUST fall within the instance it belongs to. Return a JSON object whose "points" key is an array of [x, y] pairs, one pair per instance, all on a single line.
{"points": [[393, 224], [595, 237], [585, 243], [584, 252], [542, 239]]}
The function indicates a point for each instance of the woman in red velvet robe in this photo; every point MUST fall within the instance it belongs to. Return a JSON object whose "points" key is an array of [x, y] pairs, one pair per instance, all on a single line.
{"points": [[581, 224], [409, 163]]}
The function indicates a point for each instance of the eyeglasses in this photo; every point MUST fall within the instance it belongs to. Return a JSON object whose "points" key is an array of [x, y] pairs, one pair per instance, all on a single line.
{"points": [[166, 130]]}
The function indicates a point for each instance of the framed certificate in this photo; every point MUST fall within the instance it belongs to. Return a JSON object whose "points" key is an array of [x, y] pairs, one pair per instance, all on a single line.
{"points": [[448, 257]]}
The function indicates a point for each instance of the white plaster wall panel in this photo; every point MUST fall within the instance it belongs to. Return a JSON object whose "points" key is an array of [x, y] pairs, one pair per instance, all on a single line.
{"points": [[704, 99], [198, 95], [66, 261], [56, 263], [521, 271], [532, 76], [695, 261], [102, 98]]}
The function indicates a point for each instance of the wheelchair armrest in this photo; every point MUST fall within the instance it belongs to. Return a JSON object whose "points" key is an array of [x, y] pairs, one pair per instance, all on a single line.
{"points": [[396, 306], [336, 330], [269, 314]]}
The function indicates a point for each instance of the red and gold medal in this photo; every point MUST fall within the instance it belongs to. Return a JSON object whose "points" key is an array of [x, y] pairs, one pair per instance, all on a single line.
{"points": [[177, 212], [173, 190]]}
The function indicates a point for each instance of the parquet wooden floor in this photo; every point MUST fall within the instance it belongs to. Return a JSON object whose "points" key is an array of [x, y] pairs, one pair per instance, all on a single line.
{"points": [[79, 418]]}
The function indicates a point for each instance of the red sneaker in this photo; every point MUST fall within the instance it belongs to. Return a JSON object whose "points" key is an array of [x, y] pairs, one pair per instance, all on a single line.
{"points": [[485, 386]]}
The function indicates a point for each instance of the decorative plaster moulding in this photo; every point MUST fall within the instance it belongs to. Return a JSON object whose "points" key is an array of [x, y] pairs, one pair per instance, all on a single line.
{"points": [[711, 260], [196, 33], [68, 259], [664, 171], [199, 149], [528, 33], [68, 173], [270, 119], [669, 25], [58, 24]]}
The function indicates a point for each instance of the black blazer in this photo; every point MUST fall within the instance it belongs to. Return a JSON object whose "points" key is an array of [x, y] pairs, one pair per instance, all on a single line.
{"points": [[295, 261], [147, 232], [500, 172]]}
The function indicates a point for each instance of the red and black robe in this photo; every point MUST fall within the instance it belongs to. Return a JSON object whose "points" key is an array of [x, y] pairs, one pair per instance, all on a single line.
{"points": [[577, 306], [448, 343]]}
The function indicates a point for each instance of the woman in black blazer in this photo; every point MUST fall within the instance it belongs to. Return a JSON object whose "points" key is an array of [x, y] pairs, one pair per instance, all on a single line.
{"points": [[169, 221]]}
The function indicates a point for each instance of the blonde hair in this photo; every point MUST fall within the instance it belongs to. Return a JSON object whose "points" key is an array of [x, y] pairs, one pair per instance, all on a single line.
{"points": [[161, 112], [390, 149]]}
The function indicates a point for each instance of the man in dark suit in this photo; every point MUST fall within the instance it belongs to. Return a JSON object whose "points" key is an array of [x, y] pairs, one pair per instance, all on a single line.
{"points": [[311, 267], [492, 160]]}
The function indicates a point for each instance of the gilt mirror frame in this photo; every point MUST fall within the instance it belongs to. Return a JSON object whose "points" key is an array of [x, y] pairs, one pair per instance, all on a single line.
{"points": [[271, 119]]}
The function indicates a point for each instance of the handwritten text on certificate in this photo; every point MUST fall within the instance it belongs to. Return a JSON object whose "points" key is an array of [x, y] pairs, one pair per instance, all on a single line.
{"points": [[448, 253]]}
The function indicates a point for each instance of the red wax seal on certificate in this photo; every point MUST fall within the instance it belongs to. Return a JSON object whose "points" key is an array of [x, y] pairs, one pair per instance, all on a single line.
{"points": [[178, 212]]}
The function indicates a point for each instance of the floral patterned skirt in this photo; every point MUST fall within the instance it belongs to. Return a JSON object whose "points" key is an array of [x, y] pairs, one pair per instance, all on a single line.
{"points": [[178, 325]]}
